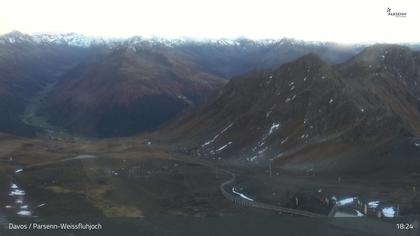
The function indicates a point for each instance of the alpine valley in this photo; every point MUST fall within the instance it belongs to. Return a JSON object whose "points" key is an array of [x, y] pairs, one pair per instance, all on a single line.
{"points": [[143, 127]]}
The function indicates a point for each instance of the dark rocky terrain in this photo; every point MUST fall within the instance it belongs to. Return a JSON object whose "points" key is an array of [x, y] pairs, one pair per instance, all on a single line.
{"points": [[310, 115], [25, 67]]}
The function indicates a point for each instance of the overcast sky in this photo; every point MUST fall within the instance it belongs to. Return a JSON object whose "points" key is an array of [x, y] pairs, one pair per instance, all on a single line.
{"points": [[320, 20]]}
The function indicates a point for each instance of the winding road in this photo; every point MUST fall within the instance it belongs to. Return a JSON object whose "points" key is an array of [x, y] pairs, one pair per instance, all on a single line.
{"points": [[244, 202], [229, 195]]}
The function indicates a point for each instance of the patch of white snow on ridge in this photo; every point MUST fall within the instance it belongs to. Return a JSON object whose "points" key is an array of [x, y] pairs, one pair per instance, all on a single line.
{"points": [[273, 128], [303, 136], [217, 135], [17, 192], [253, 158], [24, 213], [223, 147], [284, 140]]}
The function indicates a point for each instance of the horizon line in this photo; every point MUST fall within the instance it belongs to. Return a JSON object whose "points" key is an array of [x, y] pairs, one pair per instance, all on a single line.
{"points": [[203, 39]]}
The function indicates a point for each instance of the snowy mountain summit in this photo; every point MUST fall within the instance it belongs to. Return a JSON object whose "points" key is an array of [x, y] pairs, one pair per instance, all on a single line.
{"points": [[79, 40], [70, 39]]}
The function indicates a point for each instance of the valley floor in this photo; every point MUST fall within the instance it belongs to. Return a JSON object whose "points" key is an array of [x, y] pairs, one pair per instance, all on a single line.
{"points": [[31, 117]]}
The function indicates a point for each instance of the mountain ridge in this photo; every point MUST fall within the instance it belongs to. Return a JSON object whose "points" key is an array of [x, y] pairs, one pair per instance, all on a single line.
{"points": [[304, 110], [77, 39], [125, 70]]}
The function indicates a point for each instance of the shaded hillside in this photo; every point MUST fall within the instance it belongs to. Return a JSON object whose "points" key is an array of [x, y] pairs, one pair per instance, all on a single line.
{"points": [[308, 114], [388, 76], [129, 90], [25, 67]]}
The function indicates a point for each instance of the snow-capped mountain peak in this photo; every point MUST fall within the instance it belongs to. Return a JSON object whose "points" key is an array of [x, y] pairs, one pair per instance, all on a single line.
{"points": [[70, 39]]}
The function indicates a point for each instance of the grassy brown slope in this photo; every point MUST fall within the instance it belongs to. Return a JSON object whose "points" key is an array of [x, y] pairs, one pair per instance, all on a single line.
{"points": [[161, 183]]}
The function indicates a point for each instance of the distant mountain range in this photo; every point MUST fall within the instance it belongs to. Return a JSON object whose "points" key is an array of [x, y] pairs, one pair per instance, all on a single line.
{"points": [[225, 57], [118, 87], [310, 115], [68, 39]]}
